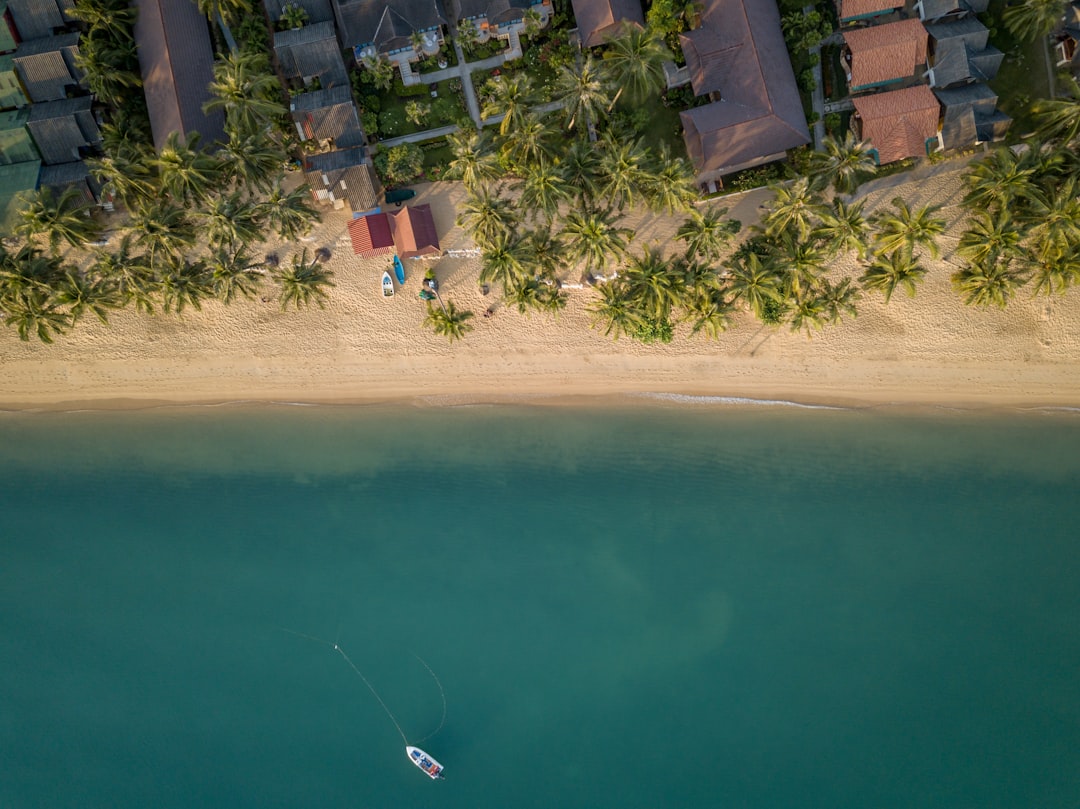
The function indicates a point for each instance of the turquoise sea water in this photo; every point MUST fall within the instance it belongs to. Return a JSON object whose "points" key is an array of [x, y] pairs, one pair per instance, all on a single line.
{"points": [[631, 607]]}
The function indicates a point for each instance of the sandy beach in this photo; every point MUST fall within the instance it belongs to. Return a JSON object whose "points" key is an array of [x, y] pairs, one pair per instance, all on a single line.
{"points": [[930, 349]]}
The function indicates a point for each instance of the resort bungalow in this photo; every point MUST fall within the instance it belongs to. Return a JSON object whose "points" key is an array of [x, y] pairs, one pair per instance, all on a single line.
{"points": [[403, 31], [177, 68], [899, 123], [47, 67], [7, 29], [414, 233], [327, 117], [37, 19], [960, 53], [601, 20], [64, 131], [311, 56], [737, 58], [409, 232], [16, 145], [370, 236], [342, 178], [883, 54], [63, 176], [11, 92], [502, 19], [1067, 42], [940, 9], [851, 11], [970, 116]]}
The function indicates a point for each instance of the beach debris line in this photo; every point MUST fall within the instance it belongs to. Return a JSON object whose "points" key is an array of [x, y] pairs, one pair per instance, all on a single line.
{"points": [[424, 761]]}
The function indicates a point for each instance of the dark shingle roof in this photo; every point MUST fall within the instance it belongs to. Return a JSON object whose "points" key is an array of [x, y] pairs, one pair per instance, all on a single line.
{"points": [[970, 114], [77, 174], [961, 53], [496, 11], [37, 18], [62, 130], [328, 114], [344, 174], [387, 25], [177, 67], [599, 20], [741, 54], [47, 66], [317, 10], [934, 9], [311, 51]]}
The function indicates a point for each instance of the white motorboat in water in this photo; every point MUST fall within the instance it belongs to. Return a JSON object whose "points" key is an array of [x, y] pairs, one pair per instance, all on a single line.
{"points": [[425, 762]]}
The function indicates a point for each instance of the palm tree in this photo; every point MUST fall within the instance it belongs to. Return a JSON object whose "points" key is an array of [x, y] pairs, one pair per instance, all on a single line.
{"points": [[529, 142], [227, 10], [303, 282], [998, 179], [1033, 19], [485, 215], [754, 283], [897, 269], [59, 219], [842, 164], [102, 71], [794, 207], [1054, 214], [228, 220], [989, 283], [543, 190], [164, 232], [290, 213], [382, 70], [990, 232], [187, 173], [838, 300], [544, 253], [909, 228], [293, 17], [125, 174], [83, 293], [594, 236], [580, 168], [580, 89], [1050, 273], [653, 284], [843, 227], [634, 63], [35, 313], [504, 261], [1059, 119], [706, 234], [527, 294], [233, 273], [185, 284], [670, 188], [448, 321], [809, 313], [623, 171], [113, 19], [613, 312], [510, 97], [255, 162], [473, 163], [130, 274], [708, 310], [800, 264]]}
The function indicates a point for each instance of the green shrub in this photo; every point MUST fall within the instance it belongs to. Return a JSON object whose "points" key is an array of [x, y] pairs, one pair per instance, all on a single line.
{"points": [[773, 312], [371, 103], [400, 165], [655, 331], [370, 122]]}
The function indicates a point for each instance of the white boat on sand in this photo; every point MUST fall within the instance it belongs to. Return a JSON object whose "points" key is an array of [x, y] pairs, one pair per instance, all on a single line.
{"points": [[425, 762], [387, 285]]}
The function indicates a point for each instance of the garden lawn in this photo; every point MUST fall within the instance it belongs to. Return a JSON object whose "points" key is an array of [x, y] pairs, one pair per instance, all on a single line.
{"points": [[665, 127], [392, 120]]}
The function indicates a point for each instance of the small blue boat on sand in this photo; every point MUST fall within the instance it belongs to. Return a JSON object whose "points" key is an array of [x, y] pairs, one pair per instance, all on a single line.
{"points": [[399, 270]]}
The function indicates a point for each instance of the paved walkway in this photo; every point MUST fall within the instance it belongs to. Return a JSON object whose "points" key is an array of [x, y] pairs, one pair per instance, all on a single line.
{"points": [[818, 96]]}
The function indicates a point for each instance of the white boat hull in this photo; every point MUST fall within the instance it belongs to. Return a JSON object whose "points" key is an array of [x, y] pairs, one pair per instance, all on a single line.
{"points": [[425, 762]]}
